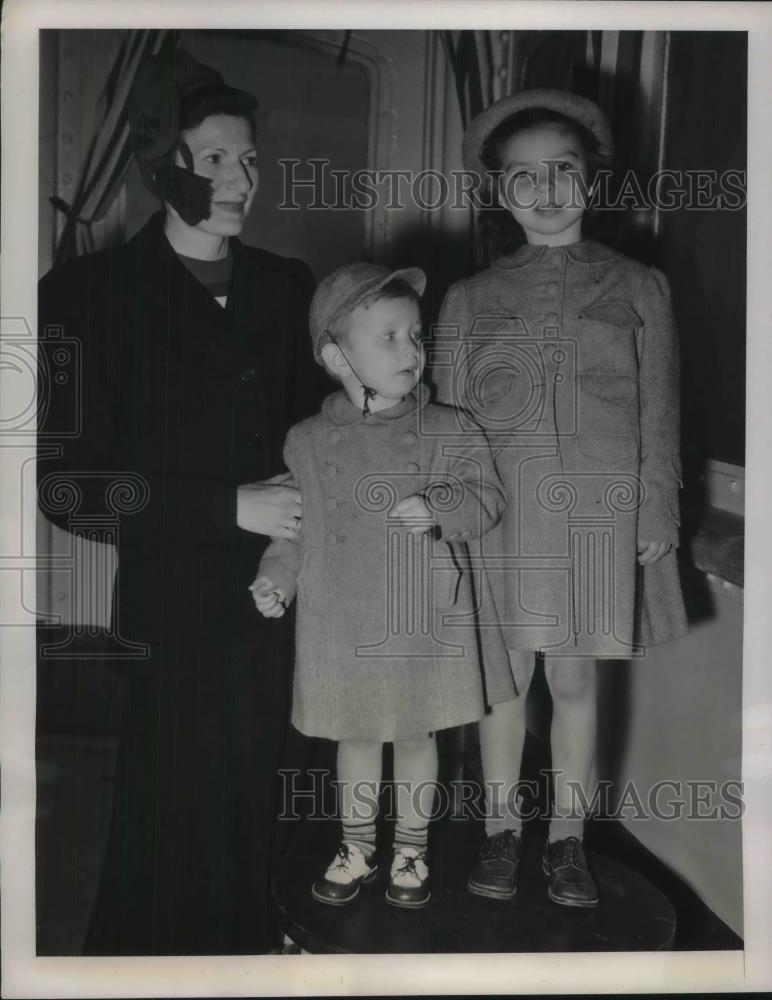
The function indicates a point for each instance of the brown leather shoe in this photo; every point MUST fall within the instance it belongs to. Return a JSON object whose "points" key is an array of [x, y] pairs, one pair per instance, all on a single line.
{"points": [[495, 874], [570, 881]]}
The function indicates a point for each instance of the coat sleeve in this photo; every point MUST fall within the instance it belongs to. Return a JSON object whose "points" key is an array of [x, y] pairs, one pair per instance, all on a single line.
{"points": [[658, 372], [450, 348], [76, 405], [468, 499], [281, 560]]}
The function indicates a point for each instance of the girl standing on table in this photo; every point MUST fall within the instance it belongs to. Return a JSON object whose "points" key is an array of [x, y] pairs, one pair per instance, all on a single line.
{"points": [[565, 352]]}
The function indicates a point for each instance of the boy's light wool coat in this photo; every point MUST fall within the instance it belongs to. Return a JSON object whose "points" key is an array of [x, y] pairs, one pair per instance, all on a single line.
{"points": [[568, 359], [387, 646]]}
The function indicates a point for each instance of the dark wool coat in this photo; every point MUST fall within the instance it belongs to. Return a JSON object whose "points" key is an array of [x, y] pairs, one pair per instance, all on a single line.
{"points": [[184, 400], [387, 647], [567, 356]]}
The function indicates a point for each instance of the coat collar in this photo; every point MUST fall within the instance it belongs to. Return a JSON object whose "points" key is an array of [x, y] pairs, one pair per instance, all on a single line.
{"points": [[252, 295], [339, 409], [582, 252]]}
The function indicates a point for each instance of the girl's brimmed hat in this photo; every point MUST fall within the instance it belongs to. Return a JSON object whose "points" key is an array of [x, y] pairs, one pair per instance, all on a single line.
{"points": [[579, 109], [349, 286]]}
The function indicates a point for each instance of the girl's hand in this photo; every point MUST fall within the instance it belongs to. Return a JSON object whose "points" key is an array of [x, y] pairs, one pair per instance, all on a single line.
{"points": [[650, 552], [270, 601], [269, 508], [413, 508]]}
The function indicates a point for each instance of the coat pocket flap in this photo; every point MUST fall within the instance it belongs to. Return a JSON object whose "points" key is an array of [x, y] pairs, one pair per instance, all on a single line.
{"points": [[616, 313]]}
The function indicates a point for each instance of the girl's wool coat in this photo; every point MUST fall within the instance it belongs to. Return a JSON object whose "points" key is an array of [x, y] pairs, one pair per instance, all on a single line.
{"points": [[387, 646], [568, 358]]}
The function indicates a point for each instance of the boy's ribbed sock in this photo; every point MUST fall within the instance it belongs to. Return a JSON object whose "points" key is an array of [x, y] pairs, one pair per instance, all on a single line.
{"points": [[411, 836], [360, 833]]}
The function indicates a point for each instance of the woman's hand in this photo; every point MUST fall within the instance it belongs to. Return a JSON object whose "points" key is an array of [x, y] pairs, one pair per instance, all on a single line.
{"points": [[270, 600], [414, 508], [269, 508], [650, 552]]}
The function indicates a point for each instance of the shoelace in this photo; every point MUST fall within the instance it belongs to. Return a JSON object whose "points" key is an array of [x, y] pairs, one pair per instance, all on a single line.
{"points": [[408, 866], [344, 854], [568, 853]]}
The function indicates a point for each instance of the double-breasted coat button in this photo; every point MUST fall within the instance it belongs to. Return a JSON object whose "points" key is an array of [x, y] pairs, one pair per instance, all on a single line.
{"points": [[413, 467], [248, 374], [335, 436], [409, 437], [254, 438]]}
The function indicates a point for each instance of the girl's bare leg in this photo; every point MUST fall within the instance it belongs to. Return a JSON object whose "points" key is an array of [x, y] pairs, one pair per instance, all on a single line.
{"points": [[502, 737], [573, 687]]}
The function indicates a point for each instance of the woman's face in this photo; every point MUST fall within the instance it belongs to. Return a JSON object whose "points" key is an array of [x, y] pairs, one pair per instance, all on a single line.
{"points": [[543, 170], [223, 149]]}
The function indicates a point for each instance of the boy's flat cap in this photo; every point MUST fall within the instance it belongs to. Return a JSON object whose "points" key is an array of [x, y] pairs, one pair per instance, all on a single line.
{"points": [[348, 287]]}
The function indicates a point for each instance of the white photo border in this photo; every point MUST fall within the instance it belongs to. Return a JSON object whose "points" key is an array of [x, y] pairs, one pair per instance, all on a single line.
{"points": [[25, 975]]}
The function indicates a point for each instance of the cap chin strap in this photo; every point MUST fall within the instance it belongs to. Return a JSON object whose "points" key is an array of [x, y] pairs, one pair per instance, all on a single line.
{"points": [[189, 194], [369, 392]]}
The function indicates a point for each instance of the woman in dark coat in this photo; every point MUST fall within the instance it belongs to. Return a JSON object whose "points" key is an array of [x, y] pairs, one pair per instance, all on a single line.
{"points": [[194, 364]]}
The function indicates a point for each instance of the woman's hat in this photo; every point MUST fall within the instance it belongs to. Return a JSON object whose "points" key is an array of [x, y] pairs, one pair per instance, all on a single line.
{"points": [[154, 108], [349, 286], [577, 108]]}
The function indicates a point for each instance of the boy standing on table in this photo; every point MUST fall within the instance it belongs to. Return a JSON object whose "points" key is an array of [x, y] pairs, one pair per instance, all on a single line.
{"points": [[387, 649]]}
